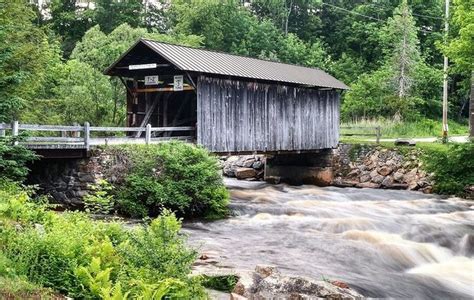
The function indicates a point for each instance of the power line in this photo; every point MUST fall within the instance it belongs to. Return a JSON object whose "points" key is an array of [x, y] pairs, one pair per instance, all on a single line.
{"points": [[415, 14], [352, 12], [365, 16]]}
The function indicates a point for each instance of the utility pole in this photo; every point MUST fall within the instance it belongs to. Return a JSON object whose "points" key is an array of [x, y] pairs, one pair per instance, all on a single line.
{"points": [[445, 77]]}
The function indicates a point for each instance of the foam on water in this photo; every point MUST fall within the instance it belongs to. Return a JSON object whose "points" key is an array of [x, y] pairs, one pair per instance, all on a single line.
{"points": [[383, 243]]}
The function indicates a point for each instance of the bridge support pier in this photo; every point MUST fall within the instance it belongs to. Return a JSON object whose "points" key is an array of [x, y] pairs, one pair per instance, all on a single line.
{"points": [[300, 168]]}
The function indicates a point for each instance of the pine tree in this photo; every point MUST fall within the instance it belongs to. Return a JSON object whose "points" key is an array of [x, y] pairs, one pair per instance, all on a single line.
{"points": [[403, 52]]}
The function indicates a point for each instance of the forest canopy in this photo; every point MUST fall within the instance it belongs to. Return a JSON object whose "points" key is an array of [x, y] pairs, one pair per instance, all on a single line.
{"points": [[389, 52]]}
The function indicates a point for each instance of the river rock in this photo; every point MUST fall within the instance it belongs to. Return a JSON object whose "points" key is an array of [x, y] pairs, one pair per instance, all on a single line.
{"points": [[268, 283], [370, 185], [377, 178], [387, 182], [258, 165], [364, 178], [385, 170], [398, 176], [244, 173]]}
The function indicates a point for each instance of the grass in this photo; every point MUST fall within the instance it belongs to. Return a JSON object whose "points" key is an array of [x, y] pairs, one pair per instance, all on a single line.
{"points": [[15, 288], [409, 129]]}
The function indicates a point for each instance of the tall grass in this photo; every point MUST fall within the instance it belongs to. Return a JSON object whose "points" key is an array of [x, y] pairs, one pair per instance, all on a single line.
{"points": [[394, 129]]}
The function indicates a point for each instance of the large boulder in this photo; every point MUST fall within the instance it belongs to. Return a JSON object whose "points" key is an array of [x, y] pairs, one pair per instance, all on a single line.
{"points": [[267, 282], [244, 173]]}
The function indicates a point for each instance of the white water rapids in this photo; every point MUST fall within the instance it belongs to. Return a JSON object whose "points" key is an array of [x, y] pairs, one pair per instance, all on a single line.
{"points": [[383, 243]]}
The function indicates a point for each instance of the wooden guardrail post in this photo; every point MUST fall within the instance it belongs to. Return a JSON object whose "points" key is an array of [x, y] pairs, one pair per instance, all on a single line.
{"points": [[87, 135], [148, 134], [15, 129], [377, 134], [15, 126], [2, 130]]}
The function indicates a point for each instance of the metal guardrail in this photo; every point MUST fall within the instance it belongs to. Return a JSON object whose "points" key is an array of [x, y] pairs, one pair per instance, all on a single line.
{"points": [[377, 132], [80, 136]]}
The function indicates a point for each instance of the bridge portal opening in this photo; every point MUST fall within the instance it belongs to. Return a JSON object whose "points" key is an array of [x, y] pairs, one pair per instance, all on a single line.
{"points": [[162, 106]]}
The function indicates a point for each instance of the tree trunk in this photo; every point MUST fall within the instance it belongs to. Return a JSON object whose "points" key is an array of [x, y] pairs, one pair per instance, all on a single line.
{"points": [[471, 108]]}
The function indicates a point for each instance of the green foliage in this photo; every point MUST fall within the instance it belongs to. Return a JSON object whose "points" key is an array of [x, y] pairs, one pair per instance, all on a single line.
{"points": [[176, 176], [13, 159], [453, 167], [227, 26], [461, 47], [83, 94], [82, 258], [99, 200], [24, 54], [224, 283]]}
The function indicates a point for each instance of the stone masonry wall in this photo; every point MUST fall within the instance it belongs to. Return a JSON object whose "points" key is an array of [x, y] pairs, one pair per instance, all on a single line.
{"points": [[363, 166], [67, 181], [377, 167]]}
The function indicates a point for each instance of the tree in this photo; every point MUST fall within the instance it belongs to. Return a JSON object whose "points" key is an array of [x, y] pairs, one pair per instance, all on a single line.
{"points": [[24, 53], [83, 94], [69, 21], [461, 51], [403, 85], [402, 49], [109, 14], [461, 47]]}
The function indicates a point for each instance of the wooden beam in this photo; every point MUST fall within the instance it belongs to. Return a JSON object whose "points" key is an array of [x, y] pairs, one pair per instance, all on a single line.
{"points": [[165, 89]]}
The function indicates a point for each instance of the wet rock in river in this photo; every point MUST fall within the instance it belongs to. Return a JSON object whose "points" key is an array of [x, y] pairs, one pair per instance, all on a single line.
{"points": [[244, 173], [268, 283]]}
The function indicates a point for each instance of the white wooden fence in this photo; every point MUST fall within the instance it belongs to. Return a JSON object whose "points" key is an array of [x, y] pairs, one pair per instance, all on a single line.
{"points": [[362, 131], [78, 136]]}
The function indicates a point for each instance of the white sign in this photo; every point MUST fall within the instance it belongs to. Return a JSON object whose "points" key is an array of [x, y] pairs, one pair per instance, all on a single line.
{"points": [[151, 80], [178, 83], [141, 67]]}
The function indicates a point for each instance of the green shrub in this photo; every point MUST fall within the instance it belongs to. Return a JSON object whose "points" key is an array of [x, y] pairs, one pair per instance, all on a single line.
{"points": [[452, 168], [177, 176], [13, 159], [100, 200], [87, 259], [224, 283]]}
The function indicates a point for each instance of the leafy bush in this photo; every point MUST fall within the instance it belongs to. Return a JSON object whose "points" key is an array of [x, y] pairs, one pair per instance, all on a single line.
{"points": [[82, 258], [177, 176], [100, 200], [224, 283], [453, 168], [13, 159]]}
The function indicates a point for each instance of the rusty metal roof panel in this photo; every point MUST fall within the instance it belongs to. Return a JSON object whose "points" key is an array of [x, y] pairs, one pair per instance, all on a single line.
{"points": [[213, 62]]}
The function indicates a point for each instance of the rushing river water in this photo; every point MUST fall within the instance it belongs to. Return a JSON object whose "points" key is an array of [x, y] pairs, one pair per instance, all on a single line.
{"points": [[383, 243]]}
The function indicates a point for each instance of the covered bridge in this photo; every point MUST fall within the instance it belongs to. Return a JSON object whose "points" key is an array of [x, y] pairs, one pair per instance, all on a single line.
{"points": [[235, 103]]}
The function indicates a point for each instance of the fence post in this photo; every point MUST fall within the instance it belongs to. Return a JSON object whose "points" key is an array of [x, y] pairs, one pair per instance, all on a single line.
{"points": [[15, 130], [377, 132], [76, 134], [87, 135], [2, 131], [148, 134]]}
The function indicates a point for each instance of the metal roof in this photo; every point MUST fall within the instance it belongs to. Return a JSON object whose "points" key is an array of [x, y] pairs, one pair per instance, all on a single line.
{"points": [[213, 62]]}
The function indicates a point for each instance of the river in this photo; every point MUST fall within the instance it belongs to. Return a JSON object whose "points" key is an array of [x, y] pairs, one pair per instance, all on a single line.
{"points": [[383, 243]]}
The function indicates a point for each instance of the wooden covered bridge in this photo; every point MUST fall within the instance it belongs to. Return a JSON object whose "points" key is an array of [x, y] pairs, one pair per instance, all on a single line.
{"points": [[226, 103], [237, 104]]}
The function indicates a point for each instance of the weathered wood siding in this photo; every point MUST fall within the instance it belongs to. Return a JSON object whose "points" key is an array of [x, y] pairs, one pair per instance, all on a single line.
{"points": [[236, 116]]}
